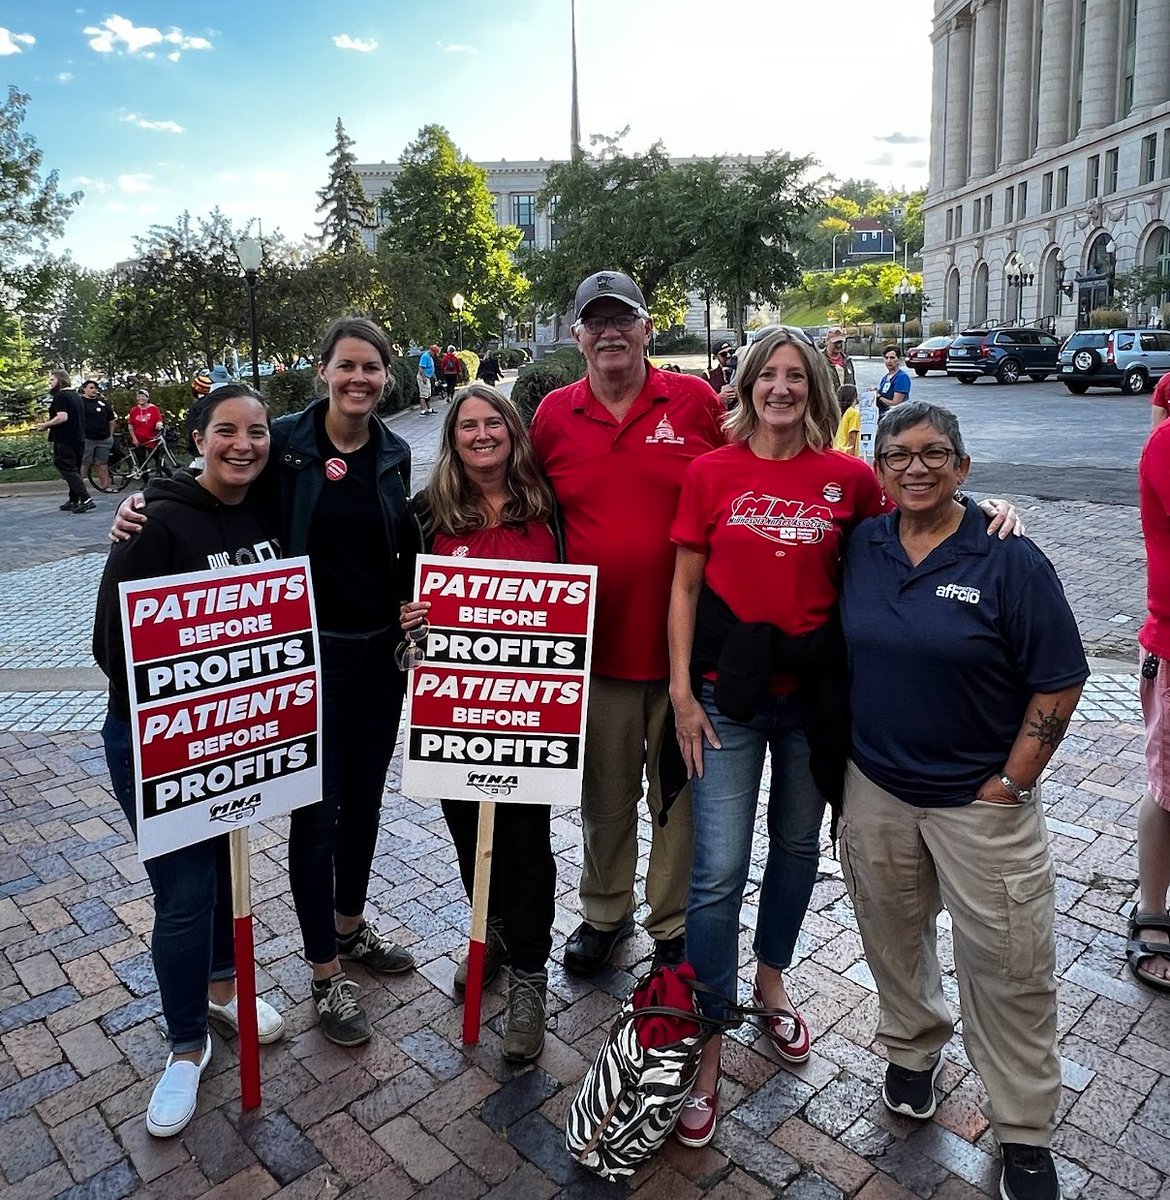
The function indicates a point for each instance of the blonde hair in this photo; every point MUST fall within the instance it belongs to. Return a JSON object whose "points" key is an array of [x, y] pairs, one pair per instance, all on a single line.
{"points": [[822, 415], [453, 501]]}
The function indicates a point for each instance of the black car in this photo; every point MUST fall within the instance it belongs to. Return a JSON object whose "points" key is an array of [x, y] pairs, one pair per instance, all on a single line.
{"points": [[1006, 354]]}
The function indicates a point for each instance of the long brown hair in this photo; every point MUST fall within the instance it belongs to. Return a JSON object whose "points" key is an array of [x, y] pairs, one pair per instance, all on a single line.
{"points": [[453, 501]]}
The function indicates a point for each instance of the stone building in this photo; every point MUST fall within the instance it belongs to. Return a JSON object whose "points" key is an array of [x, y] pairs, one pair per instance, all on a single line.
{"points": [[1049, 159]]}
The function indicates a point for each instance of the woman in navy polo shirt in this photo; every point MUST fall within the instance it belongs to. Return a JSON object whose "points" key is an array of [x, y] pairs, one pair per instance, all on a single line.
{"points": [[965, 667], [894, 386]]}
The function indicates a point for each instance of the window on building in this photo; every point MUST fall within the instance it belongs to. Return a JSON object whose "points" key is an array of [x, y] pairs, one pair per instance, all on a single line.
{"points": [[1148, 166], [1166, 153], [950, 223], [986, 211], [1046, 192], [1079, 66], [1128, 55], [1062, 187], [1111, 160], [523, 210], [1162, 263], [958, 220], [1009, 205], [976, 212], [1022, 199], [1093, 176]]}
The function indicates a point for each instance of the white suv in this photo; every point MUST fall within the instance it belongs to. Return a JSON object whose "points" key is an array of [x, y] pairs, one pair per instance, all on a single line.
{"points": [[1132, 360]]}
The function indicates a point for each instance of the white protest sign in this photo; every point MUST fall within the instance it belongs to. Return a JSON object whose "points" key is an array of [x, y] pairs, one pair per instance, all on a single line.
{"points": [[497, 710], [225, 699], [868, 421]]}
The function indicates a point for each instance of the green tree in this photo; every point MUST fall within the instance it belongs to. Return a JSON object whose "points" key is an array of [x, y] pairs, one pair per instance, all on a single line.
{"points": [[22, 375], [346, 208], [31, 208], [442, 237]]}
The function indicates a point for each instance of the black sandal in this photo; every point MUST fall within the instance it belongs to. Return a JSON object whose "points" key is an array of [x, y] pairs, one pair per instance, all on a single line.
{"points": [[1136, 949]]}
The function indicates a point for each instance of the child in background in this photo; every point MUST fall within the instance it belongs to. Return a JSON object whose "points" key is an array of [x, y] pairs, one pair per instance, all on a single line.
{"points": [[849, 431]]}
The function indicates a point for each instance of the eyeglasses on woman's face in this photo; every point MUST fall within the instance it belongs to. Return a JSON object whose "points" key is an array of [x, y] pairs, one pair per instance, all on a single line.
{"points": [[933, 457], [622, 322]]}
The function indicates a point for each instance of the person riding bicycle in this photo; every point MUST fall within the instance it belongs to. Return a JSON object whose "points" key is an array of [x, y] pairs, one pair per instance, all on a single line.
{"points": [[144, 423]]}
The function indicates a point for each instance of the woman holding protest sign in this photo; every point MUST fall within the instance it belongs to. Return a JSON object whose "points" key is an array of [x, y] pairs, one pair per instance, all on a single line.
{"points": [[195, 523], [340, 481], [487, 498]]}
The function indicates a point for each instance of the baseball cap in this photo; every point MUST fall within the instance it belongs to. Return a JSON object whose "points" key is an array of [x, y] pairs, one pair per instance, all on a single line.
{"points": [[726, 346], [609, 285]]}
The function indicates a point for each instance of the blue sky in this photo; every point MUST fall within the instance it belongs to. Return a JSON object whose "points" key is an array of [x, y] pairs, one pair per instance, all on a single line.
{"points": [[151, 108]]}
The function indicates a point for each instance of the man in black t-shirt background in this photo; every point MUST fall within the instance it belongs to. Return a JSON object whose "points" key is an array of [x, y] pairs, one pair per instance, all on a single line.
{"points": [[66, 426], [99, 432]]}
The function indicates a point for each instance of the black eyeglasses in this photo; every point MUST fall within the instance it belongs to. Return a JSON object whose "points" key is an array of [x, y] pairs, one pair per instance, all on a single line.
{"points": [[792, 330], [933, 457], [413, 652], [622, 322]]}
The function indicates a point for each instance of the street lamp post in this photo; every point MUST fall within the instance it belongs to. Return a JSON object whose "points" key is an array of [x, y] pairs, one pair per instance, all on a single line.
{"points": [[1019, 275], [457, 303], [905, 291], [250, 252]]}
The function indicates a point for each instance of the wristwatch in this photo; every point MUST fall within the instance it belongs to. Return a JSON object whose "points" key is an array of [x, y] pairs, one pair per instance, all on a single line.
{"points": [[1022, 794]]}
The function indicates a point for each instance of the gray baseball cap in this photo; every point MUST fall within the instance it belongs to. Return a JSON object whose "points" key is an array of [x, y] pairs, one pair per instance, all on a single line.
{"points": [[611, 285]]}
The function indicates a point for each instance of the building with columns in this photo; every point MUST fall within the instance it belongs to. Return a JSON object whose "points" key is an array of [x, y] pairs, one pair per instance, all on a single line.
{"points": [[1049, 159]]}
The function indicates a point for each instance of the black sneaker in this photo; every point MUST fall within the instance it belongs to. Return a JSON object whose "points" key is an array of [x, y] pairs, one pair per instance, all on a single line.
{"points": [[589, 948], [374, 950], [911, 1093], [1028, 1173], [669, 952], [495, 955], [526, 1016], [69, 506], [84, 506], [342, 1019]]}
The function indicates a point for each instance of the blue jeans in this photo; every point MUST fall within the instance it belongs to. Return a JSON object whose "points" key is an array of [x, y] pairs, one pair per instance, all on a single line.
{"points": [[192, 942], [725, 801]]}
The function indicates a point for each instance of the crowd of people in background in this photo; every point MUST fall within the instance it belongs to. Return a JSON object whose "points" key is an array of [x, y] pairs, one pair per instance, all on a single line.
{"points": [[772, 595]]}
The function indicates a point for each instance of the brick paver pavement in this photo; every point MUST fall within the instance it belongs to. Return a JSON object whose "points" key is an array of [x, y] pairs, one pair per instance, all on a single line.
{"points": [[415, 1113]]}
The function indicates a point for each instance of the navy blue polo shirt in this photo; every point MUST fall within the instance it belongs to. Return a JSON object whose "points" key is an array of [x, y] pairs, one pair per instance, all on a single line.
{"points": [[944, 656]]}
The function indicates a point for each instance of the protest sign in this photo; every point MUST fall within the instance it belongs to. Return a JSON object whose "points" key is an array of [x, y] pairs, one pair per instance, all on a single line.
{"points": [[868, 412], [225, 699], [497, 709]]}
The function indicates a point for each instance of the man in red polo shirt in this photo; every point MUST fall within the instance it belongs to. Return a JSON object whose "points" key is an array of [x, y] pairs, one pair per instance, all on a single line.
{"points": [[615, 446]]}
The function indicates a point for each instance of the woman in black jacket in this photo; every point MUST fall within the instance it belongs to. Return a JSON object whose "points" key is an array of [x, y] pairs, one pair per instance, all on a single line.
{"points": [[487, 498], [195, 523]]}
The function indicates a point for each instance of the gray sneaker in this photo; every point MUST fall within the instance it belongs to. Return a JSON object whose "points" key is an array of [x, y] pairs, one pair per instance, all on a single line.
{"points": [[342, 1019], [495, 955], [374, 950], [526, 1016]]}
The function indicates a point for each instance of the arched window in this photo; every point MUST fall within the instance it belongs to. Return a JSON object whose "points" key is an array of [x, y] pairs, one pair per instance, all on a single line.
{"points": [[952, 311], [1161, 264], [979, 296], [1100, 259]]}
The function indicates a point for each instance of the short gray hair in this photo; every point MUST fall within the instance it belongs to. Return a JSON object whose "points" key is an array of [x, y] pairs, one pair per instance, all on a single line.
{"points": [[910, 413]]}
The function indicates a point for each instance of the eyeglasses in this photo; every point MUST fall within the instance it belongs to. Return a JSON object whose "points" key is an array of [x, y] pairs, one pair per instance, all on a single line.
{"points": [[413, 652], [933, 457], [622, 322], [792, 331]]}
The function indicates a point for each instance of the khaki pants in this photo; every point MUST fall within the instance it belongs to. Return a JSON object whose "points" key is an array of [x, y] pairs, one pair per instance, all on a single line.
{"points": [[990, 866], [624, 735]]}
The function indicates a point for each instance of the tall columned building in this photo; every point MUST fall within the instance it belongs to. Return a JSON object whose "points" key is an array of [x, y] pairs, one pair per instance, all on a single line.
{"points": [[1049, 158]]}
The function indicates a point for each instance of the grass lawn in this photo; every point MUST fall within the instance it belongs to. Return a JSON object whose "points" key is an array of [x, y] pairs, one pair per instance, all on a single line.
{"points": [[35, 474]]}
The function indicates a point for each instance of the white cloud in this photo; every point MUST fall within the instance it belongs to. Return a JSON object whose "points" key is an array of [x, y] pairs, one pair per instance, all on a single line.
{"points": [[156, 126], [117, 35], [95, 185], [456, 48], [65, 77], [11, 43], [344, 42], [897, 138], [133, 184]]}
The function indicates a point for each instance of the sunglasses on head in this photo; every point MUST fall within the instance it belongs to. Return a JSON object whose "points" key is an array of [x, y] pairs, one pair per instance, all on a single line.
{"points": [[791, 330]]}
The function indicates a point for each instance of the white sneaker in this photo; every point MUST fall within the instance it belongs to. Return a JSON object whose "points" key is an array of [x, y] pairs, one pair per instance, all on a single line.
{"points": [[268, 1021], [172, 1104]]}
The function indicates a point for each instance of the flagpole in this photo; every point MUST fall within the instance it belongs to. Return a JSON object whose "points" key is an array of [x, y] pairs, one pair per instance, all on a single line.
{"points": [[575, 115]]}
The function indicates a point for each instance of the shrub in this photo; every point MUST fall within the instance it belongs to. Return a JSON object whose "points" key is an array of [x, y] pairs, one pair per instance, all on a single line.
{"points": [[513, 356], [290, 391], [468, 365], [402, 387], [25, 450], [569, 359], [1108, 318], [172, 398], [940, 328], [679, 341], [534, 382]]}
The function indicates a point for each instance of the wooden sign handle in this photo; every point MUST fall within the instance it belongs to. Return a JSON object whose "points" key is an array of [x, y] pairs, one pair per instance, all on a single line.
{"points": [[245, 970], [473, 996]]}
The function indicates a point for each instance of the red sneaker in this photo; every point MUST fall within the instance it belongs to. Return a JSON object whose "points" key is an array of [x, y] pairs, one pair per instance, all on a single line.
{"points": [[696, 1123], [787, 1031]]}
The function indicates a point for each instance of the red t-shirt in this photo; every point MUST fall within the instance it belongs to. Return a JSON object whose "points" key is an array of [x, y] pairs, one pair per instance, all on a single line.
{"points": [[773, 531], [618, 488], [1161, 396], [144, 422], [449, 365], [533, 542], [1154, 502]]}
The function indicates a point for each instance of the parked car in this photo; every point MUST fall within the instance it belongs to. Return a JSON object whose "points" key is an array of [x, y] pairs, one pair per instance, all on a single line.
{"points": [[930, 355], [1005, 354], [1132, 360]]}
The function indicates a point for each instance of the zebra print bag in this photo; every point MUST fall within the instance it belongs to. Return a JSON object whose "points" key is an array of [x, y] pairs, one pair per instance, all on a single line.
{"points": [[630, 1098]]}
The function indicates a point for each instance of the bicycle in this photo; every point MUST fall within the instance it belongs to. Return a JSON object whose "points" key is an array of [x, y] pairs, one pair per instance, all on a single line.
{"points": [[125, 468]]}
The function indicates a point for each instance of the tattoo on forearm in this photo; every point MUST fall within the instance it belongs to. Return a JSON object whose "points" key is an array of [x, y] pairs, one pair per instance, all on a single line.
{"points": [[1048, 728]]}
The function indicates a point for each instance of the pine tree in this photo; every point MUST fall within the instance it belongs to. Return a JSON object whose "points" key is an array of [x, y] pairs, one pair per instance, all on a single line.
{"points": [[347, 210]]}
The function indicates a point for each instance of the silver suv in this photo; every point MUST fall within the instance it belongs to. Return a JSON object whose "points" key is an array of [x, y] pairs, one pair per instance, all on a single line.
{"points": [[1130, 359]]}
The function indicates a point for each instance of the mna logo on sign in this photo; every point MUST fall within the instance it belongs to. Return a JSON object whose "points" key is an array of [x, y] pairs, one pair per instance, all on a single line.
{"points": [[492, 785], [232, 812]]}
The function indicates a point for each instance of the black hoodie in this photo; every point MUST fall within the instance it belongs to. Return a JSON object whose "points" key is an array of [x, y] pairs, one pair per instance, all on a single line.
{"points": [[188, 530]]}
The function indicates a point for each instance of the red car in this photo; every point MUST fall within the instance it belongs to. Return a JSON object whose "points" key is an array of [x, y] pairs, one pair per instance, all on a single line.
{"points": [[930, 355]]}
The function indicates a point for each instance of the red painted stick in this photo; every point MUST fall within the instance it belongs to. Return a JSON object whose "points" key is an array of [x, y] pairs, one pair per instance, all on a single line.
{"points": [[473, 996], [245, 971]]}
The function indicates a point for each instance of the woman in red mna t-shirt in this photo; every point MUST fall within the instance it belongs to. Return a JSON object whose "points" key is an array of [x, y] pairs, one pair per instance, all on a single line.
{"points": [[487, 498], [144, 422]]}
